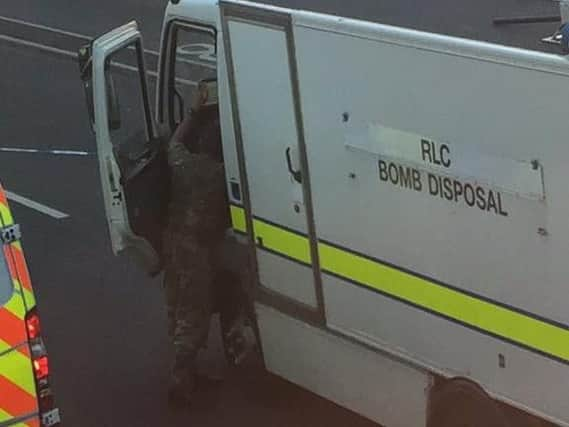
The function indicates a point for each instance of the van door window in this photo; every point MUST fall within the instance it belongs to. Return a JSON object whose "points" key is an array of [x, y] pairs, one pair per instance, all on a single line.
{"points": [[192, 58], [6, 285], [129, 117]]}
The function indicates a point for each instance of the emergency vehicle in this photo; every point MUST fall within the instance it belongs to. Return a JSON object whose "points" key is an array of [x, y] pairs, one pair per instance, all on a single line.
{"points": [[26, 398], [402, 196]]}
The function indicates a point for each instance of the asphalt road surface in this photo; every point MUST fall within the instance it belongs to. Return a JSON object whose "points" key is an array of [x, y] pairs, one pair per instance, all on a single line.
{"points": [[104, 321]]}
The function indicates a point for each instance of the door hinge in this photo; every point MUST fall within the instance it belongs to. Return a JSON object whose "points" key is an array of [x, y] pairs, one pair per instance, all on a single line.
{"points": [[10, 234]]}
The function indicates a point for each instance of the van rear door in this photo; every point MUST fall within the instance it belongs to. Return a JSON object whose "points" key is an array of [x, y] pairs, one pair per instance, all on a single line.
{"points": [[18, 402]]}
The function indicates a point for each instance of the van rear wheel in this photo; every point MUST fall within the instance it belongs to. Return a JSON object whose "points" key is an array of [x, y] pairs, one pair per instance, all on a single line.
{"points": [[462, 403]]}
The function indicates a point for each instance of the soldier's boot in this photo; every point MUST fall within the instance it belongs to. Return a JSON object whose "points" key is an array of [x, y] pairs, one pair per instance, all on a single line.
{"points": [[240, 340], [179, 394], [182, 385]]}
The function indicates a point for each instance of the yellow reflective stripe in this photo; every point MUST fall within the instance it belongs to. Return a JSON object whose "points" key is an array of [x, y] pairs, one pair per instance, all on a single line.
{"points": [[17, 368], [30, 298], [15, 305], [282, 241], [486, 316], [274, 238], [5, 416], [6, 215], [481, 314], [238, 219]]}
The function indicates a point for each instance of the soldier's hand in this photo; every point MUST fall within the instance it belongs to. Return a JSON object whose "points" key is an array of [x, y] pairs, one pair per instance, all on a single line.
{"points": [[240, 341]]}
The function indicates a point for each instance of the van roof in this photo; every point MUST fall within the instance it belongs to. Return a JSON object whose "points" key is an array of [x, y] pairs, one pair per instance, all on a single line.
{"points": [[469, 19]]}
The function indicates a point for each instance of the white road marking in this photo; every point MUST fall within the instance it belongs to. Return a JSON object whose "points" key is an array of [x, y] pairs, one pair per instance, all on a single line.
{"points": [[132, 68], [46, 210], [43, 27], [58, 31], [54, 152], [68, 53], [38, 46], [89, 38]]}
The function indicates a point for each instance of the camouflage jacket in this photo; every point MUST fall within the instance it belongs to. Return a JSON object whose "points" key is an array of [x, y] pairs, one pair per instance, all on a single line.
{"points": [[198, 206]]}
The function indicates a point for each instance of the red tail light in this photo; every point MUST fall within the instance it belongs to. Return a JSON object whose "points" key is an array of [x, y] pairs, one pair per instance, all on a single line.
{"points": [[41, 367], [40, 362], [33, 325]]}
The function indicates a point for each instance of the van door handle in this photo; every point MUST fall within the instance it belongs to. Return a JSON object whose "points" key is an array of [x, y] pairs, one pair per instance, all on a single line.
{"points": [[296, 174]]}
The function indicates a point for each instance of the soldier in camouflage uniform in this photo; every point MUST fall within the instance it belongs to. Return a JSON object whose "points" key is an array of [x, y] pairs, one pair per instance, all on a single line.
{"points": [[198, 217]]}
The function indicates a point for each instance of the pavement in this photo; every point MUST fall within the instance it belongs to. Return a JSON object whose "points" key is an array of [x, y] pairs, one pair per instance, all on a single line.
{"points": [[104, 321]]}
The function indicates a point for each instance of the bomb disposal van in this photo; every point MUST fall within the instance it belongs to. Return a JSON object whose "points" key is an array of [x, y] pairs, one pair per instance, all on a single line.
{"points": [[403, 197], [26, 398]]}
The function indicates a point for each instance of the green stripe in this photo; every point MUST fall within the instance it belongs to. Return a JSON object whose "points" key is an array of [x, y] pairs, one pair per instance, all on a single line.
{"points": [[478, 313]]}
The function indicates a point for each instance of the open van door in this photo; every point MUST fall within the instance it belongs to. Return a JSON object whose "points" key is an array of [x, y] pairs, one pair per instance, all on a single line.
{"points": [[132, 159]]}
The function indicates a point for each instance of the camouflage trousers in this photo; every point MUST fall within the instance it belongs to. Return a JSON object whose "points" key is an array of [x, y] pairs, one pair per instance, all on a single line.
{"points": [[189, 288]]}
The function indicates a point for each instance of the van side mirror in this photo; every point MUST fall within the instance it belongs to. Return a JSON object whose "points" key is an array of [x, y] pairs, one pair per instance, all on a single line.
{"points": [[86, 73]]}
